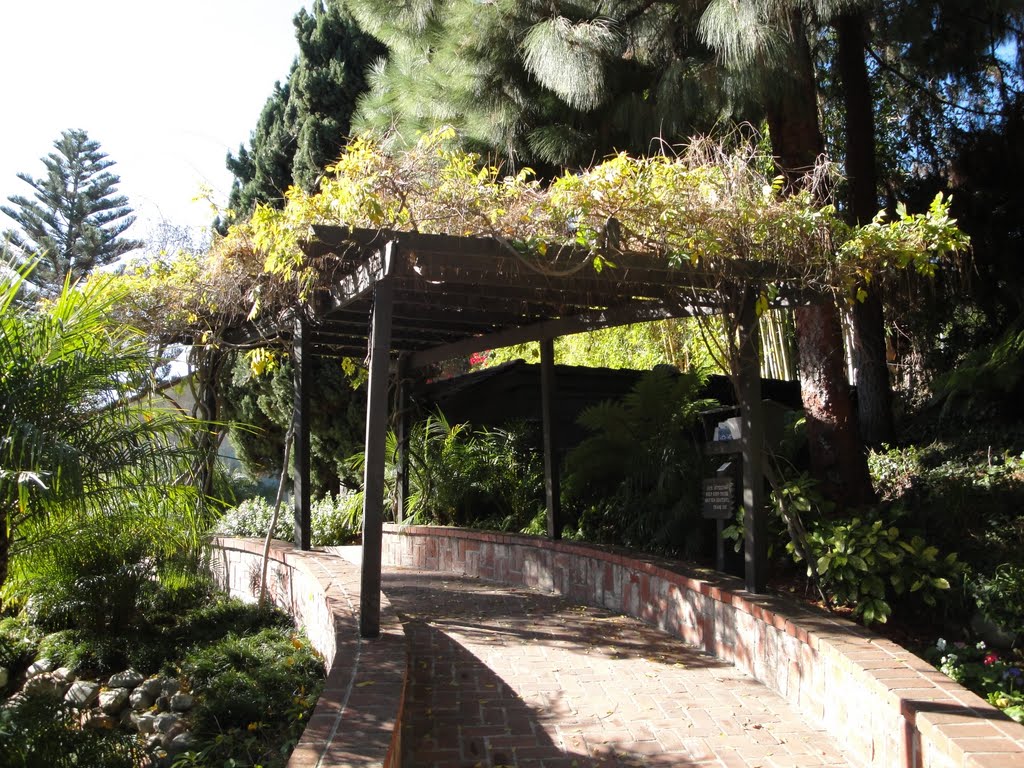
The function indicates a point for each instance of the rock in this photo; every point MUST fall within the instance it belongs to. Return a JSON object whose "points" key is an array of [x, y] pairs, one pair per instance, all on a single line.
{"points": [[168, 738], [95, 720], [181, 702], [183, 742], [163, 703], [41, 666], [113, 700], [4, 677], [165, 722], [140, 700], [127, 679], [65, 675], [169, 687], [82, 694], [153, 743], [151, 686], [45, 684], [144, 722]]}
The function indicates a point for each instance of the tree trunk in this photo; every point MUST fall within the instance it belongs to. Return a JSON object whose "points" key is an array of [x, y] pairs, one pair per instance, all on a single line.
{"points": [[874, 391], [5, 547], [837, 454]]}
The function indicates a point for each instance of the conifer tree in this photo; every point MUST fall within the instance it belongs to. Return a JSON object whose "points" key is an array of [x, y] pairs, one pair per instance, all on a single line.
{"points": [[75, 221], [307, 120]]}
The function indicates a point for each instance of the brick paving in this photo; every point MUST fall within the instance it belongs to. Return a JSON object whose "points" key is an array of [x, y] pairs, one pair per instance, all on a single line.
{"points": [[506, 677]]}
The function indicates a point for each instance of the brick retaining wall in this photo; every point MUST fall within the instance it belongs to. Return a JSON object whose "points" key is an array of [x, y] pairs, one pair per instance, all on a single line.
{"points": [[885, 706], [356, 721]]}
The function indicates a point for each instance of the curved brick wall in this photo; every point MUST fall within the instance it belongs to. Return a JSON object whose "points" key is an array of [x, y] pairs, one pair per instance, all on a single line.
{"points": [[887, 707], [356, 720]]}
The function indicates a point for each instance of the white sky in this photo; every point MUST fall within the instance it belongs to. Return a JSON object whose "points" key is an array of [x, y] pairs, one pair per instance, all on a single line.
{"points": [[166, 88]]}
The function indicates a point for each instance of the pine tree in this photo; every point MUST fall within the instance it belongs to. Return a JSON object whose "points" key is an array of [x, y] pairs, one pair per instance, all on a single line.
{"points": [[307, 120], [76, 220]]}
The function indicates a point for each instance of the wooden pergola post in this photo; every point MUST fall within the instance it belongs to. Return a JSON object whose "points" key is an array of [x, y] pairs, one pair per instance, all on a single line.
{"points": [[748, 393], [373, 479], [301, 380], [552, 485], [402, 435]]}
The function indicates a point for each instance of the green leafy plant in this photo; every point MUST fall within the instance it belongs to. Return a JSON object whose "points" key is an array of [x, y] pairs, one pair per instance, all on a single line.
{"points": [[635, 481], [1000, 597], [996, 676]]}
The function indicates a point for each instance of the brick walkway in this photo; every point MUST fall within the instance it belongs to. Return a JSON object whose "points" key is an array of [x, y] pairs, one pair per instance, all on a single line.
{"points": [[512, 677]]}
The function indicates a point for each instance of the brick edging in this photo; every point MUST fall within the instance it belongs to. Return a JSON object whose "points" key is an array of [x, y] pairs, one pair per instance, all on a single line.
{"points": [[356, 722], [884, 705]]}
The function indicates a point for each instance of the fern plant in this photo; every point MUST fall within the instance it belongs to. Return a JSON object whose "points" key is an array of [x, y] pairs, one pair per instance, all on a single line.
{"points": [[635, 481]]}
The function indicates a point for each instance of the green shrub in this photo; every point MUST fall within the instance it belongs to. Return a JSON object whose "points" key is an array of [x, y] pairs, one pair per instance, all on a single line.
{"points": [[40, 730], [1000, 597], [19, 641], [333, 520]]}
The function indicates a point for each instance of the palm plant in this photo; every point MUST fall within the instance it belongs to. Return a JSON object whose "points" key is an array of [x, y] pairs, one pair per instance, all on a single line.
{"points": [[80, 448]]}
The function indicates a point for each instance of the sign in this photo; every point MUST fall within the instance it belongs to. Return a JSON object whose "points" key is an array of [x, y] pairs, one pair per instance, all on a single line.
{"points": [[719, 498]]}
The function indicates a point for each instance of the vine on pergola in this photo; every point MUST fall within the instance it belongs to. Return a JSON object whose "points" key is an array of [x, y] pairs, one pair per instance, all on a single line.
{"points": [[705, 207]]}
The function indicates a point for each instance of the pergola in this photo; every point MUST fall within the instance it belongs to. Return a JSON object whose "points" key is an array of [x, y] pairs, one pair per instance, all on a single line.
{"points": [[409, 300]]}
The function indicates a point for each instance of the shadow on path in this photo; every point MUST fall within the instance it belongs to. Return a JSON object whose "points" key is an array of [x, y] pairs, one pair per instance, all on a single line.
{"points": [[511, 677]]}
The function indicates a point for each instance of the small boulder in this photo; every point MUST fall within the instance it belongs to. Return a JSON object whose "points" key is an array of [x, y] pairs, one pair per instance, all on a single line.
{"points": [[127, 679], [181, 702], [183, 742], [44, 684], [82, 694], [65, 675], [143, 722], [140, 700], [96, 720], [166, 721], [113, 700], [168, 738], [163, 703], [151, 686], [169, 687], [40, 667]]}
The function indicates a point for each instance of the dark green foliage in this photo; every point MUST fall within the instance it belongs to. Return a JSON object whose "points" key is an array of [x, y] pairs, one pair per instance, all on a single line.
{"points": [[18, 644], [1000, 597], [489, 478], [253, 694], [636, 480], [40, 731], [265, 404], [75, 219], [307, 120]]}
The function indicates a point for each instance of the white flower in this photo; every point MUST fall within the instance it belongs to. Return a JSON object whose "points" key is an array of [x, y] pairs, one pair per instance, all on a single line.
{"points": [[940, 644], [981, 645]]}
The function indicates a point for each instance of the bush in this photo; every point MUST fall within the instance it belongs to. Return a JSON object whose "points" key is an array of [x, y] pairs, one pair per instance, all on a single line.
{"points": [[1000, 597], [18, 644], [334, 520]]}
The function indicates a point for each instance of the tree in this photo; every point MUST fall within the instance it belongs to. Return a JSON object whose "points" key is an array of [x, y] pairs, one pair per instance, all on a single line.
{"points": [[78, 444], [76, 221], [307, 120]]}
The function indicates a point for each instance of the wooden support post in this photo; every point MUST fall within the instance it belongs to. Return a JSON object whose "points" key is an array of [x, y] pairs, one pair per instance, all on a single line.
{"points": [[373, 479], [301, 358], [552, 486], [748, 393], [402, 433]]}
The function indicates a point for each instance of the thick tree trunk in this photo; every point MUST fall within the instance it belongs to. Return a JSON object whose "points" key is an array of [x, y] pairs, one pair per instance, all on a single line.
{"points": [[837, 454], [874, 391]]}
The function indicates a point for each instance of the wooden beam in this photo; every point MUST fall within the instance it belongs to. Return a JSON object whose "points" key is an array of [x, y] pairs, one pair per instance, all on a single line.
{"points": [[748, 395], [563, 326], [302, 381], [373, 479], [552, 484]]}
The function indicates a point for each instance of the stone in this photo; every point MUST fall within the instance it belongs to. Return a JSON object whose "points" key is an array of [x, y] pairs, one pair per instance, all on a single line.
{"points": [[183, 742], [113, 700], [41, 666], [82, 694], [45, 684], [151, 686], [163, 703], [95, 720], [165, 722], [127, 679], [140, 700], [168, 738], [169, 687], [64, 674], [143, 722], [181, 702]]}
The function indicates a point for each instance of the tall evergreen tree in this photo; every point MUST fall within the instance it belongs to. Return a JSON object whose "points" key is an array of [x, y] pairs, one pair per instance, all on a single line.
{"points": [[307, 120], [76, 220]]}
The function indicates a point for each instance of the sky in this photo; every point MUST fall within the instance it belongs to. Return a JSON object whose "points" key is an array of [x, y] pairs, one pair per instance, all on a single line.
{"points": [[167, 89]]}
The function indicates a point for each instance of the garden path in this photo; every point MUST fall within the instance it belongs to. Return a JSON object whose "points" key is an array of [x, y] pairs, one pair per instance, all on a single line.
{"points": [[511, 677]]}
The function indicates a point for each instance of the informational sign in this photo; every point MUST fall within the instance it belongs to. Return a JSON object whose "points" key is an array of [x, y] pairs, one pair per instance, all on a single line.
{"points": [[719, 498]]}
